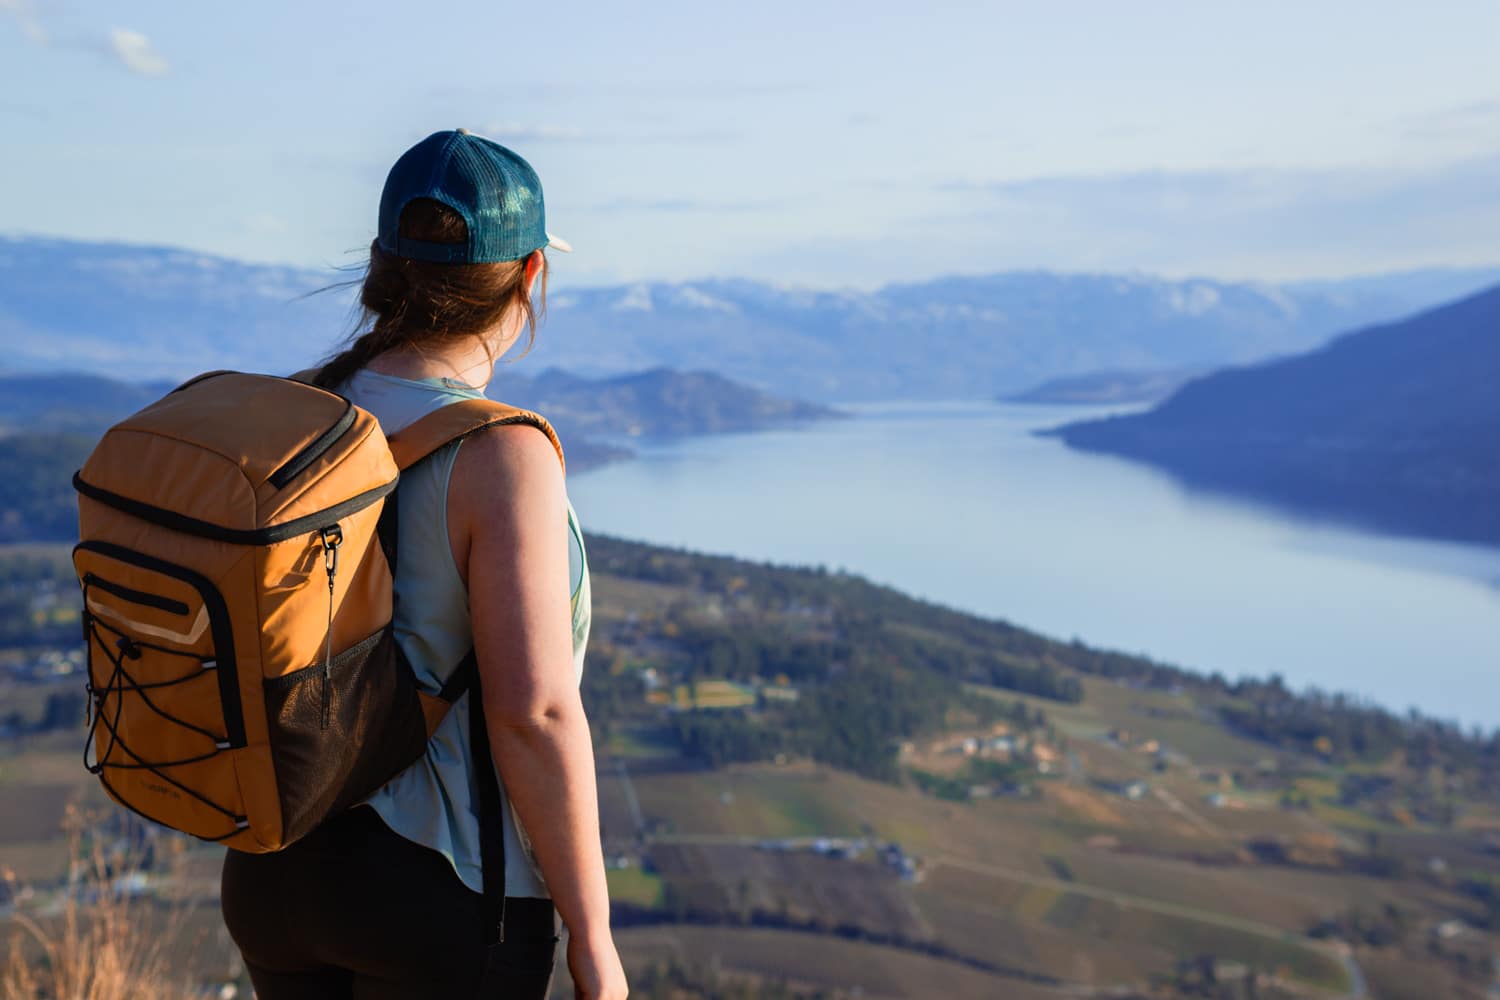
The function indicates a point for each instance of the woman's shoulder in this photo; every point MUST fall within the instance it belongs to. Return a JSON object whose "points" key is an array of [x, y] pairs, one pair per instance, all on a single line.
{"points": [[516, 461], [511, 451]]}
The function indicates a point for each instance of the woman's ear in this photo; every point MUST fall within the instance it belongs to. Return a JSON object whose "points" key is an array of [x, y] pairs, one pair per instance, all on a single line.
{"points": [[533, 268]]}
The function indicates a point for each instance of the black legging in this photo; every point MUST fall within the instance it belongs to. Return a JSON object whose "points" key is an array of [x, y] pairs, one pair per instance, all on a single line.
{"points": [[356, 911]]}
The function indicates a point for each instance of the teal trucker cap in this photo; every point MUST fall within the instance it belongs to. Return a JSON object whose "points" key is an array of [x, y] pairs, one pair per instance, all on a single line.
{"points": [[493, 188]]}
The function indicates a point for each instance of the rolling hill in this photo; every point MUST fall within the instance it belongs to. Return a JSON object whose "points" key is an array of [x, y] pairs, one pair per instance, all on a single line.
{"points": [[49, 423], [655, 403], [803, 775], [1396, 425]]}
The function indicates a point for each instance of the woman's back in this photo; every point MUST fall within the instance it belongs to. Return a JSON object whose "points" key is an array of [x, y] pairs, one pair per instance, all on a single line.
{"points": [[431, 802]]}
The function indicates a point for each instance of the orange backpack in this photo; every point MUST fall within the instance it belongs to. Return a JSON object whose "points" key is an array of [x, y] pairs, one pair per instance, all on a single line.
{"points": [[236, 556]]}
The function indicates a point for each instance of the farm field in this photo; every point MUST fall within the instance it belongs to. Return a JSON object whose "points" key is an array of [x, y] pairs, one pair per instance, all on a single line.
{"points": [[1105, 838]]}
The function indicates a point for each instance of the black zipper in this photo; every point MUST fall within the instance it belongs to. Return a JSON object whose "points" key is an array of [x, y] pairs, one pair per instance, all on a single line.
{"points": [[136, 596], [239, 536], [218, 619], [294, 466]]}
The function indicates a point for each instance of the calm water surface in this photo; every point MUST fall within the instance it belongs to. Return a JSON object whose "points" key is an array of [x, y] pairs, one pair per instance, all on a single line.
{"points": [[962, 504]]}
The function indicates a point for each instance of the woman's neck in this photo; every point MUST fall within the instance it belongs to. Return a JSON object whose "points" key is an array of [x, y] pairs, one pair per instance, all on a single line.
{"points": [[469, 364]]}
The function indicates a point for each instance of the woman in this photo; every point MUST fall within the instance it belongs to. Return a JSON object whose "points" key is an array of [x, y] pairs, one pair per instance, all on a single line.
{"points": [[385, 900]]}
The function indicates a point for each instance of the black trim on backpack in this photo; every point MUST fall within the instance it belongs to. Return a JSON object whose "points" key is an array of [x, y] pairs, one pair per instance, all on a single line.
{"points": [[298, 463], [120, 681], [353, 654], [134, 596], [218, 620], [238, 536], [240, 822]]}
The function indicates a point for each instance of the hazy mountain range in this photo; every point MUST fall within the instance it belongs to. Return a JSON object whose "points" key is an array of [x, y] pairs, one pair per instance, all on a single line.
{"points": [[143, 313], [1397, 425], [1093, 388], [49, 423], [654, 403]]}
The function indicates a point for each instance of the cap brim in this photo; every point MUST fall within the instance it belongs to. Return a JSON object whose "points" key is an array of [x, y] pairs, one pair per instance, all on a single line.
{"points": [[558, 243]]}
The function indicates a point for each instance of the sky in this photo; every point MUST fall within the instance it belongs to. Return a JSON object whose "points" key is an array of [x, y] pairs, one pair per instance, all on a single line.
{"points": [[804, 143]]}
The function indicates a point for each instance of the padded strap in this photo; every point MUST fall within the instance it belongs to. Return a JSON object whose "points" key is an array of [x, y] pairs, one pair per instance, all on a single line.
{"points": [[465, 679], [435, 706], [456, 421], [308, 375], [491, 826]]}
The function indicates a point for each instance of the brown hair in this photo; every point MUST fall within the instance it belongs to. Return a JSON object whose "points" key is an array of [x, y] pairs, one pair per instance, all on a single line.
{"points": [[417, 304]]}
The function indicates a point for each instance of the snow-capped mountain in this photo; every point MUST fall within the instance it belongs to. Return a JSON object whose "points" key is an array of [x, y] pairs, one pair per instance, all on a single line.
{"points": [[145, 312]]}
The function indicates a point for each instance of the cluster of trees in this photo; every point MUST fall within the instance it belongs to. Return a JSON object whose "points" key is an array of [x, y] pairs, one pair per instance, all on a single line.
{"points": [[1208, 977], [37, 502], [756, 651], [853, 720], [1384, 926], [976, 771], [1346, 730], [867, 620], [872, 667], [813, 625], [25, 576]]}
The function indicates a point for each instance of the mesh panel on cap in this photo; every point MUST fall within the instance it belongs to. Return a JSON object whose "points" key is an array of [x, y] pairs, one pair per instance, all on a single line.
{"points": [[496, 192]]}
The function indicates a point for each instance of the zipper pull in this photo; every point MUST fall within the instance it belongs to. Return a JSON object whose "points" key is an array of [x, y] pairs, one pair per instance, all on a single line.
{"points": [[332, 537]]}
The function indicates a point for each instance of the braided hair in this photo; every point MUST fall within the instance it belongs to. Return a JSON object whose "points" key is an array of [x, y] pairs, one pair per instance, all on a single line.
{"points": [[419, 304]]}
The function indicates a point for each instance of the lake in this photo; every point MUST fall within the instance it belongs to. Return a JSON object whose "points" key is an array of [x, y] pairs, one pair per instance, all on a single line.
{"points": [[963, 504]]}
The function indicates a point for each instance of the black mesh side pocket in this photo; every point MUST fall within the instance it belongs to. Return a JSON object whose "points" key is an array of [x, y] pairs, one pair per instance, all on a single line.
{"points": [[337, 735]]}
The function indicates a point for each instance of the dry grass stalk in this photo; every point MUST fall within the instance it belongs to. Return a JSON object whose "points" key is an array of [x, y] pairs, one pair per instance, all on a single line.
{"points": [[106, 942]]}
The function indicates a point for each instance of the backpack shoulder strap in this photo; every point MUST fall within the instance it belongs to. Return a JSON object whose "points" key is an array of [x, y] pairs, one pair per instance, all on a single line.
{"points": [[308, 375], [457, 421]]}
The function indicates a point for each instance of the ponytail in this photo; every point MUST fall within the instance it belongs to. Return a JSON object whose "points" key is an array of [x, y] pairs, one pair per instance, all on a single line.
{"points": [[339, 368]]}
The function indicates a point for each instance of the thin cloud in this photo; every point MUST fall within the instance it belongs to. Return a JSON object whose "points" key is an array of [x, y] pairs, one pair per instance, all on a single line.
{"points": [[1267, 222], [1208, 193], [125, 47], [136, 53], [24, 11]]}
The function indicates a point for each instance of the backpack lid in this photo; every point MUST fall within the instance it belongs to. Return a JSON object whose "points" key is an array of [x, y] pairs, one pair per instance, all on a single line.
{"points": [[245, 458]]}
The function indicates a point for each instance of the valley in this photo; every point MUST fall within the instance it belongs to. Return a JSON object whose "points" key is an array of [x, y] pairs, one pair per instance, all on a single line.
{"points": [[1089, 821]]}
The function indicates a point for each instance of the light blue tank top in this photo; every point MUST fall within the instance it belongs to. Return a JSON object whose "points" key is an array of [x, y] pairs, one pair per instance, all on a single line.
{"points": [[435, 801]]}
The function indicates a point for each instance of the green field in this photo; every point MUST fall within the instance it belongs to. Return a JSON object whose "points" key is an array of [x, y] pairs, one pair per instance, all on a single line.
{"points": [[713, 694], [634, 886]]}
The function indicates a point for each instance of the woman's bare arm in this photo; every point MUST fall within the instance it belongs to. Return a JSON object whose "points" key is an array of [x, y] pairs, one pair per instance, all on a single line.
{"points": [[508, 526]]}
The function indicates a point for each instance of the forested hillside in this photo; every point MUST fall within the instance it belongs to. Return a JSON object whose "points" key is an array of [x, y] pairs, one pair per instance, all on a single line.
{"points": [[1397, 425]]}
